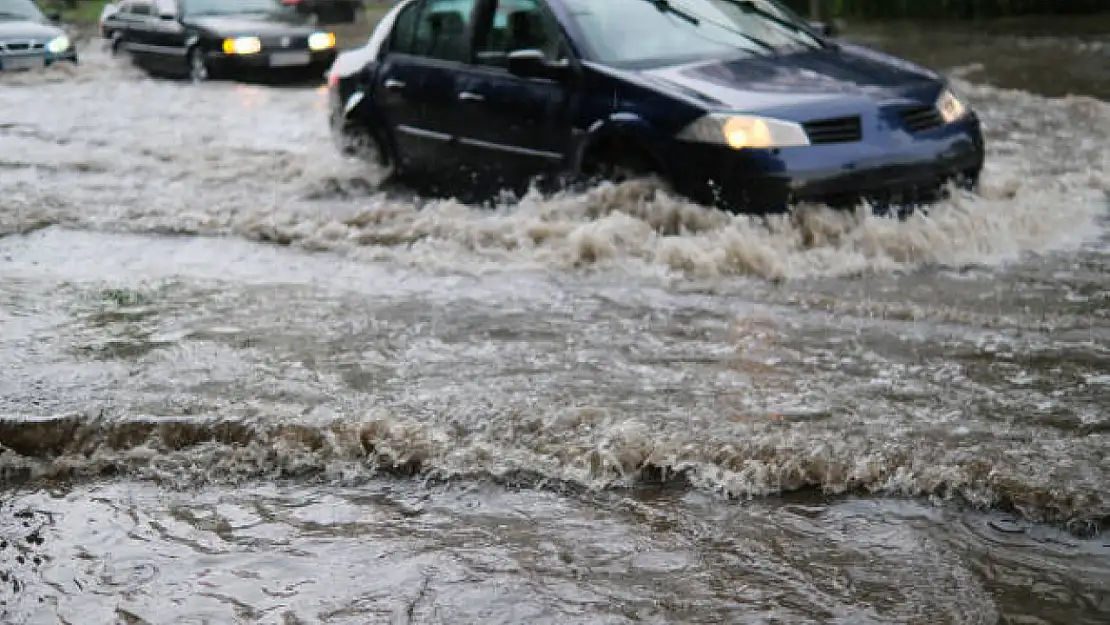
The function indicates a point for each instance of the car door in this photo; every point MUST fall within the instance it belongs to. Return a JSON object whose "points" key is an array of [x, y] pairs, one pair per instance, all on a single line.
{"points": [[166, 37], [415, 85], [110, 22], [118, 26], [137, 37], [515, 127]]}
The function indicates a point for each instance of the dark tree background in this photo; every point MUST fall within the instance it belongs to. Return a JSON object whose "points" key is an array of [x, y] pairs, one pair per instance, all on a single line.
{"points": [[966, 9]]}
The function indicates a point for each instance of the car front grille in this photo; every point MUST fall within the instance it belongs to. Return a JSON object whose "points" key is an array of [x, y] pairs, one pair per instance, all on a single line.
{"points": [[19, 47], [838, 130], [285, 43], [920, 118]]}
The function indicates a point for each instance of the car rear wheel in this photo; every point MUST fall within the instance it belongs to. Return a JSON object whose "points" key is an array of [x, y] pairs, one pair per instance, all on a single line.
{"points": [[115, 44], [198, 68], [357, 141]]}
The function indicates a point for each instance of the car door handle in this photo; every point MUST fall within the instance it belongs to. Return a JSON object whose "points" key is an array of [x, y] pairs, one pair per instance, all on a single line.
{"points": [[393, 83], [471, 97]]}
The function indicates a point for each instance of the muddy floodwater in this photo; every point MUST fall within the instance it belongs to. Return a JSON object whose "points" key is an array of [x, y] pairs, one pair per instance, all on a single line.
{"points": [[238, 384]]}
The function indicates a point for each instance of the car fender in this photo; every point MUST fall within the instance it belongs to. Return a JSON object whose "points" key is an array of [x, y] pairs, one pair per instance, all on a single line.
{"points": [[630, 129], [358, 103], [350, 62], [109, 9], [352, 103], [357, 107]]}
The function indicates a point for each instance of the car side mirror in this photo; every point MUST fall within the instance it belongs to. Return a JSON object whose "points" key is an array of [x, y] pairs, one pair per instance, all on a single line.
{"points": [[54, 16], [532, 63], [828, 29]]}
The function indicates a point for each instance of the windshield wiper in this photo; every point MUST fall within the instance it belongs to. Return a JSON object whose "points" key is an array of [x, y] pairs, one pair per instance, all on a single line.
{"points": [[750, 6], [664, 6], [18, 16]]}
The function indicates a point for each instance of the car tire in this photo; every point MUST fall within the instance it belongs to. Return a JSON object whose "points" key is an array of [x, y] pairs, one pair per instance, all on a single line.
{"points": [[621, 163], [115, 44], [357, 141], [198, 68], [623, 168]]}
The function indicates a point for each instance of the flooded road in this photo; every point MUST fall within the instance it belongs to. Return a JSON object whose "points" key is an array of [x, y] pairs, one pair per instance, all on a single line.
{"points": [[241, 385]]}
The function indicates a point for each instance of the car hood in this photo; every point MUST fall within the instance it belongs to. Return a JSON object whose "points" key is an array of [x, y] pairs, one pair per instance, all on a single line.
{"points": [[261, 25], [27, 29], [847, 73]]}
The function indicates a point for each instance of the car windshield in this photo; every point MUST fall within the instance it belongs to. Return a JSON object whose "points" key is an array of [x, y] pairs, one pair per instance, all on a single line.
{"points": [[231, 7], [628, 33], [11, 10]]}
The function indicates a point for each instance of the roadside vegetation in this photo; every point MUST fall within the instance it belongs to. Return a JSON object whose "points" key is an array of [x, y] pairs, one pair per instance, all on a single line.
{"points": [[84, 12], [952, 9], [87, 12], [80, 12]]}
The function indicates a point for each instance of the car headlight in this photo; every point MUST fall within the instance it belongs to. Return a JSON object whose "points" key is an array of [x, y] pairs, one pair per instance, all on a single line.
{"points": [[58, 44], [745, 131], [321, 41], [242, 45], [951, 107]]}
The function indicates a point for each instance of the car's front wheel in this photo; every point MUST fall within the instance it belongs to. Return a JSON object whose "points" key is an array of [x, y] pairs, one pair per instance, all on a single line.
{"points": [[620, 162], [198, 67]]}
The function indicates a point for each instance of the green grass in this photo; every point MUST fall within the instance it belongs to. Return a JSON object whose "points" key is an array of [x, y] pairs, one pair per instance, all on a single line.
{"points": [[85, 12]]}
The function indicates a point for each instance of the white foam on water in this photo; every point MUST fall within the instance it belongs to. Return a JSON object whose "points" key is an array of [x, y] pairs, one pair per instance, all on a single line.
{"points": [[163, 156], [153, 156]]}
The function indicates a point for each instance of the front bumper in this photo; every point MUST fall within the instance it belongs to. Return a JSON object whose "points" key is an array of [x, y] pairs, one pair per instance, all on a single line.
{"points": [[35, 60], [270, 61], [895, 169]]}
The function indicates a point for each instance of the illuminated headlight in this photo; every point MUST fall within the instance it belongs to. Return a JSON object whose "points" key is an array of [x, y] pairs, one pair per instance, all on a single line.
{"points": [[950, 107], [321, 41], [242, 45], [745, 131], [58, 44]]}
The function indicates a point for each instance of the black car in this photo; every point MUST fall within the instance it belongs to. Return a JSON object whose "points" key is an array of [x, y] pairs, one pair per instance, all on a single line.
{"points": [[30, 40], [203, 39], [739, 104]]}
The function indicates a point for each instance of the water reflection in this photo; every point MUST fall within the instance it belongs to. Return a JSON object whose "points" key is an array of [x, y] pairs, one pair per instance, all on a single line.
{"points": [[1054, 56], [389, 552], [216, 415], [252, 96]]}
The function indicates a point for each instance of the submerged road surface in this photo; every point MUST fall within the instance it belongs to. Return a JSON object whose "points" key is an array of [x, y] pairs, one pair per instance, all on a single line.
{"points": [[237, 384]]}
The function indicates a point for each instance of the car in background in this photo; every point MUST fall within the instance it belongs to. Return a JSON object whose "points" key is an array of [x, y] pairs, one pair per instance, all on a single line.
{"points": [[30, 40], [202, 39], [331, 11], [102, 22], [739, 104]]}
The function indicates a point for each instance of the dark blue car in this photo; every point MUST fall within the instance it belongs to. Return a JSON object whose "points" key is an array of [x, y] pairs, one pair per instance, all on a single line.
{"points": [[734, 103]]}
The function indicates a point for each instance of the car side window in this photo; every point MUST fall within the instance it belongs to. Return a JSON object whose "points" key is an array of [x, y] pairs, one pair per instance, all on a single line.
{"points": [[404, 28], [165, 7], [441, 29], [141, 8], [516, 25]]}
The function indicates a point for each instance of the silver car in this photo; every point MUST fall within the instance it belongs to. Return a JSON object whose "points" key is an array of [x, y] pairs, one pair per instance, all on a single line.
{"points": [[29, 39]]}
